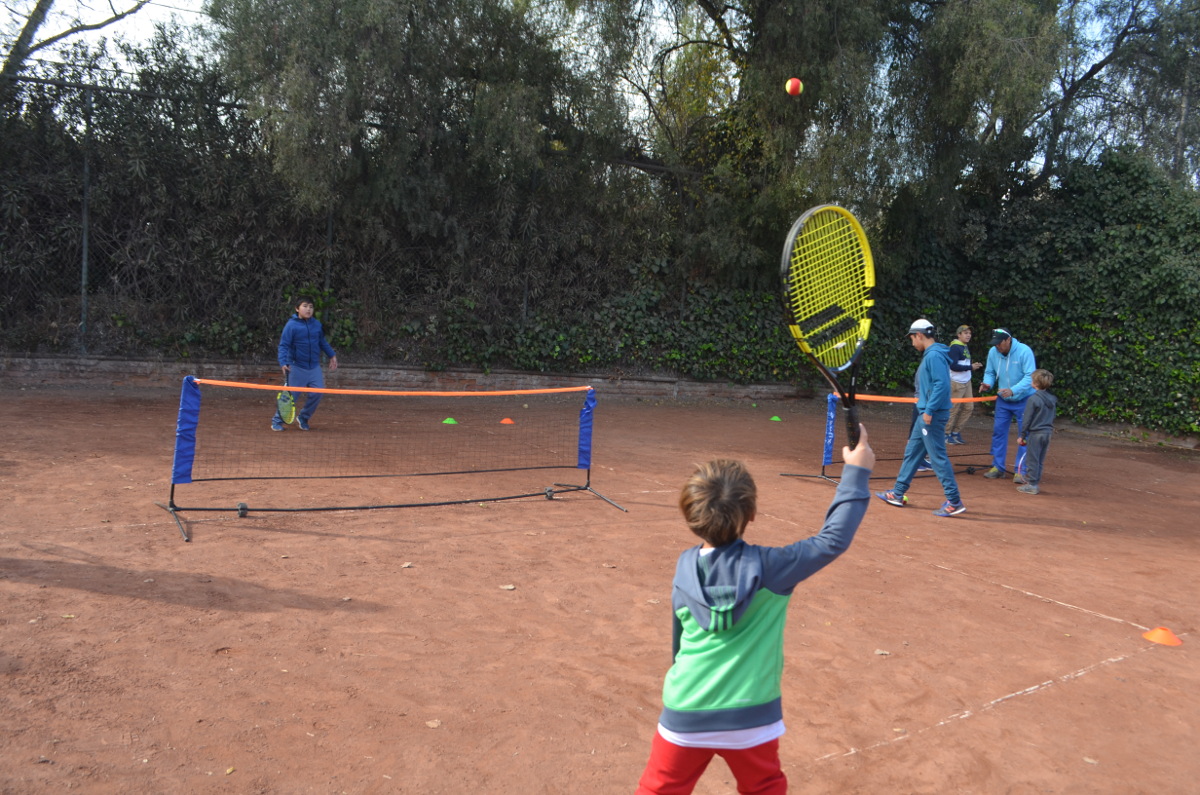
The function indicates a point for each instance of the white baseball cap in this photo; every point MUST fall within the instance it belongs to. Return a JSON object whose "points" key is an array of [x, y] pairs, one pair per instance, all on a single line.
{"points": [[921, 326]]}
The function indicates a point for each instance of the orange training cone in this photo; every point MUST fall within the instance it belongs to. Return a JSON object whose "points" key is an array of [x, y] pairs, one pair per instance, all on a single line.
{"points": [[1162, 635], [507, 421]]}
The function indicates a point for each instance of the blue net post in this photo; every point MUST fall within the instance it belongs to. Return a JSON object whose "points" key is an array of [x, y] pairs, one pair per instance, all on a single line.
{"points": [[185, 431], [585, 430]]}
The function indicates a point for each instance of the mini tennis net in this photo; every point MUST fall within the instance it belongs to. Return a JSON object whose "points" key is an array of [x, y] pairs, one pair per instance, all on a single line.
{"points": [[477, 441]]}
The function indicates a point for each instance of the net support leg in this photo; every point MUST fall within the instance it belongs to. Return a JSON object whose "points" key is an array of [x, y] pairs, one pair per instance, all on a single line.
{"points": [[568, 487], [174, 511], [821, 476]]}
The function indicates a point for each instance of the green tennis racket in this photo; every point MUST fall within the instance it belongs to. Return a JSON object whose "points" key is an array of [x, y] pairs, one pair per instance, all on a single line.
{"points": [[828, 275], [286, 404]]}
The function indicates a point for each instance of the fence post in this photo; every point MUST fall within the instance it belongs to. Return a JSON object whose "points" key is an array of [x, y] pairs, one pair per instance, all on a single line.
{"points": [[83, 277]]}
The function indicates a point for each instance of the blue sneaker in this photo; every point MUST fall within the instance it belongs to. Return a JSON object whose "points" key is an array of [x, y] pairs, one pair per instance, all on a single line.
{"points": [[955, 438], [302, 424], [925, 466], [275, 426], [950, 509], [892, 498]]}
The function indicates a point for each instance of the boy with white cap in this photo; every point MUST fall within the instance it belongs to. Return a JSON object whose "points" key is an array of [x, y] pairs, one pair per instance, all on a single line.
{"points": [[928, 436]]}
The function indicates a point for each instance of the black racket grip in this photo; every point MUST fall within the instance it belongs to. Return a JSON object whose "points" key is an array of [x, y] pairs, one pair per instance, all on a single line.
{"points": [[852, 426]]}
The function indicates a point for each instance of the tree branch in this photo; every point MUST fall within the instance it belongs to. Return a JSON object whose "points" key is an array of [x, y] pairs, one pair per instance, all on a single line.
{"points": [[24, 47], [1132, 27]]}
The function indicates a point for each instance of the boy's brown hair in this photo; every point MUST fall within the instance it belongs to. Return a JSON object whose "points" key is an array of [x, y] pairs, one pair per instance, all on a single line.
{"points": [[718, 501], [1042, 379]]}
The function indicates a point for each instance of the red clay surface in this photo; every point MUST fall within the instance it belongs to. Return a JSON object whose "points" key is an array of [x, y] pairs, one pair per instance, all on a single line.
{"points": [[384, 651]]}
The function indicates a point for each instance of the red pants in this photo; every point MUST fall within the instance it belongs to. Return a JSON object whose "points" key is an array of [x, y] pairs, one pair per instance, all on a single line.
{"points": [[674, 770]]}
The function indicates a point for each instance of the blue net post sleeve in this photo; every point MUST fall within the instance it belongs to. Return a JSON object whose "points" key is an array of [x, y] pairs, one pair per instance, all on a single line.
{"points": [[585, 430], [830, 419], [185, 431]]}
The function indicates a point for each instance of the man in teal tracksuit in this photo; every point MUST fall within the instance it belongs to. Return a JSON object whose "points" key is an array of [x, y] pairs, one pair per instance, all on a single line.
{"points": [[1010, 366], [928, 437]]}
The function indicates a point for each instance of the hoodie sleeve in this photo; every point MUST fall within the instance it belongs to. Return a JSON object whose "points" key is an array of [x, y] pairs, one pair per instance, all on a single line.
{"points": [[990, 371], [285, 344], [939, 379], [934, 375], [1033, 416], [325, 346], [785, 567], [1025, 365]]}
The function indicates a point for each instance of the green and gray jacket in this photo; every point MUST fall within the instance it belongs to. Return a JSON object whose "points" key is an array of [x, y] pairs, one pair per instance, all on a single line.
{"points": [[730, 608]]}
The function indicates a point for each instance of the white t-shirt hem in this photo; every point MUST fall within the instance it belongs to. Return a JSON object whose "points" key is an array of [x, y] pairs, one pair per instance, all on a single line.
{"points": [[736, 739]]}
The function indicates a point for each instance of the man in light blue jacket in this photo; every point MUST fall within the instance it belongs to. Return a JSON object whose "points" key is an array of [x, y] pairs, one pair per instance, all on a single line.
{"points": [[1010, 366]]}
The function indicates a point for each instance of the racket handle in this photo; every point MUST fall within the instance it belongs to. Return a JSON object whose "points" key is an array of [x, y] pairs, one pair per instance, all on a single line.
{"points": [[852, 426]]}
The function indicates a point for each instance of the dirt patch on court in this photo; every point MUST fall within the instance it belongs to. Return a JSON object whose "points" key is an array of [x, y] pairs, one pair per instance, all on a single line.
{"points": [[519, 647]]}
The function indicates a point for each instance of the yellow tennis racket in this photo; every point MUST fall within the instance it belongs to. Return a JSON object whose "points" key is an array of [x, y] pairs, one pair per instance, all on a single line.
{"points": [[286, 403], [828, 275]]}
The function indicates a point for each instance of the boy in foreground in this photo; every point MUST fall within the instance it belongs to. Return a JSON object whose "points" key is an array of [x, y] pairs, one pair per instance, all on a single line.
{"points": [[729, 598]]}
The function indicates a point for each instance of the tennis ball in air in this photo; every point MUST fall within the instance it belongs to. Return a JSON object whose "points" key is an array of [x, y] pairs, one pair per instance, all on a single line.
{"points": [[793, 86]]}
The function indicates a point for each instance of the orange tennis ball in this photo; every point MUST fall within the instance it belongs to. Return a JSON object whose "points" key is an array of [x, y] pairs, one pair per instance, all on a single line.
{"points": [[793, 86]]}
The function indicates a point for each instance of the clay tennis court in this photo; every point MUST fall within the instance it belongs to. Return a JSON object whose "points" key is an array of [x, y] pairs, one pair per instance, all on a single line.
{"points": [[519, 647]]}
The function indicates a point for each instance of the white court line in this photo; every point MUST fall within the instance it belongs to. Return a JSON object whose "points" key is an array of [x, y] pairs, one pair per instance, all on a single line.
{"points": [[996, 701], [983, 708], [1043, 598]]}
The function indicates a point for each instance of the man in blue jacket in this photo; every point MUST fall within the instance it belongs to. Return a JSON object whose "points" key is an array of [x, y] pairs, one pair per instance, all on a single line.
{"points": [[1010, 366], [928, 436], [300, 348]]}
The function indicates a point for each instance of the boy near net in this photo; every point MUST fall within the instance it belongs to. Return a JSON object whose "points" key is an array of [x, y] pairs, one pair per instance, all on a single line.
{"points": [[300, 347], [1039, 427], [729, 598]]}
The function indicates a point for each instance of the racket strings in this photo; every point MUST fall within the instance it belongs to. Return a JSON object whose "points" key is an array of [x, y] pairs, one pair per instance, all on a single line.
{"points": [[286, 404], [829, 284]]}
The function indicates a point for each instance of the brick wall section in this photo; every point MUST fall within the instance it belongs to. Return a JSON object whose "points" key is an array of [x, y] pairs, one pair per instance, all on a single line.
{"points": [[100, 371]]}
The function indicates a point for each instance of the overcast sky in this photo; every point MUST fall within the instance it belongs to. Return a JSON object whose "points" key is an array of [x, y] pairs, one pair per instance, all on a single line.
{"points": [[136, 28], [140, 26]]}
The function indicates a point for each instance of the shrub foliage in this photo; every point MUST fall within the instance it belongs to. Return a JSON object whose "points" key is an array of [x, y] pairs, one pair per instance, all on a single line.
{"points": [[561, 257]]}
